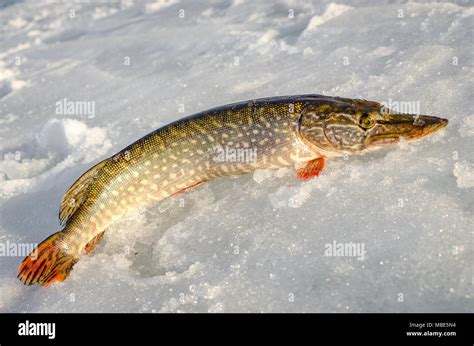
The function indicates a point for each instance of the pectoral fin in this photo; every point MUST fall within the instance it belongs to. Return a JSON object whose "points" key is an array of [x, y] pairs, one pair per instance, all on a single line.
{"points": [[312, 169]]}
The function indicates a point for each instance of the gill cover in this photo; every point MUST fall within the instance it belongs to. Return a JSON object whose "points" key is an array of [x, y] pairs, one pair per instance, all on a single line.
{"points": [[337, 127]]}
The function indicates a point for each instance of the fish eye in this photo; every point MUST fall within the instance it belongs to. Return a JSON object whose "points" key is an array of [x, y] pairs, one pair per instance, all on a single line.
{"points": [[366, 121]]}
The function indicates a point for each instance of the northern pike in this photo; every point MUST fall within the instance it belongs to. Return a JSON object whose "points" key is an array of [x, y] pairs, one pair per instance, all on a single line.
{"points": [[303, 131]]}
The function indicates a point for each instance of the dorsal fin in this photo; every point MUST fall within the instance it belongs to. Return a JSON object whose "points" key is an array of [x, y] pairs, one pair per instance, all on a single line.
{"points": [[77, 193]]}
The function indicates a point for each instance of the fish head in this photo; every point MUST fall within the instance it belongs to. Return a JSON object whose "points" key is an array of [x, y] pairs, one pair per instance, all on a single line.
{"points": [[359, 126]]}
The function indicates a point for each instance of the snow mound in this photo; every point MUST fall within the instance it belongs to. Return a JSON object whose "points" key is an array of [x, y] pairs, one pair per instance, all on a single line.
{"points": [[62, 137], [60, 144], [332, 11], [158, 5]]}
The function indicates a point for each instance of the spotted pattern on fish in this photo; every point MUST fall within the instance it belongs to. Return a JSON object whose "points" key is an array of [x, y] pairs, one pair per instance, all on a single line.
{"points": [[281, 131]]}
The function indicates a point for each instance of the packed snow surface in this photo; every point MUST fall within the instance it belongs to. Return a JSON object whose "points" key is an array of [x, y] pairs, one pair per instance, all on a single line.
{"points": [[257, 242]]}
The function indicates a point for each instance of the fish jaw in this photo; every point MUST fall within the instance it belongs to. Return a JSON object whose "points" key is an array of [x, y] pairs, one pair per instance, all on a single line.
{"points": [[394, 127]]}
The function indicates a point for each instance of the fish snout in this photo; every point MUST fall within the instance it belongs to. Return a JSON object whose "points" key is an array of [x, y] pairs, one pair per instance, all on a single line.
{"points": [[424, 125], [394, 127]]}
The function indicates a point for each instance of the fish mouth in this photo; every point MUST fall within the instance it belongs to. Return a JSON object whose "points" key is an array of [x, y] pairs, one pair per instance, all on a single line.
{"points": [[393, 127]]}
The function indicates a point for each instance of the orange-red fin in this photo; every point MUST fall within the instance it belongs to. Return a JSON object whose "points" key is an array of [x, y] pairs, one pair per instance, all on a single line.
{"points": [[312, 169], [48, 263], [190, 187], [93, 243]]}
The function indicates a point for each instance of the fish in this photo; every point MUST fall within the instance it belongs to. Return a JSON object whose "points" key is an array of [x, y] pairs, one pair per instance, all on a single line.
{"points": [[303, 131]]}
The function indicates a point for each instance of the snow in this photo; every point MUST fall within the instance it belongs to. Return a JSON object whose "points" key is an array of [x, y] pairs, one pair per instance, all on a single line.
{"points": [[333, 10], [257, 242], [464, 173]]}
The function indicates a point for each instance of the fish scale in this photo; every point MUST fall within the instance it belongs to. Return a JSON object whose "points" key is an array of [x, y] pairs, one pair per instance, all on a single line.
{"points": [[128, 180]]}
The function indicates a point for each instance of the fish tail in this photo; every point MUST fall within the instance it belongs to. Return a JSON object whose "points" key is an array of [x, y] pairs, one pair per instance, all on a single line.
{"points": [[47, 263]]}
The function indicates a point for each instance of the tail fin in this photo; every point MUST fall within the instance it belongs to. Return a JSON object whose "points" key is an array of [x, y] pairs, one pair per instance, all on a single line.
{"points": [[46, 264]]}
